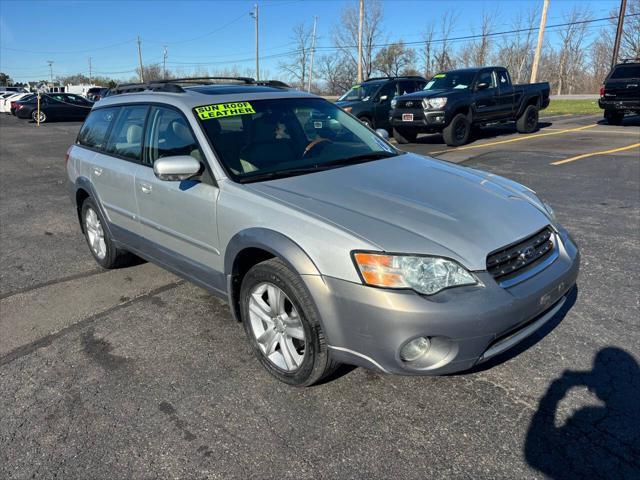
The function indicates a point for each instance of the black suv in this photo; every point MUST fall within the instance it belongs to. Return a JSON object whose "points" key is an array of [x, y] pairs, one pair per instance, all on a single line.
{"points": [[370, 101], [620, 92]]}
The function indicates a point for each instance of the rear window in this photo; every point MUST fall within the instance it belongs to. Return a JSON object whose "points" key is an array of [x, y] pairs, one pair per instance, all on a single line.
{"points": [[626, 71], [93, 133], [125, 139]]}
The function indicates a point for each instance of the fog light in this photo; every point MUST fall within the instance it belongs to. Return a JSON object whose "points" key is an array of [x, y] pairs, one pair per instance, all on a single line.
{"points": [[415, 349]]}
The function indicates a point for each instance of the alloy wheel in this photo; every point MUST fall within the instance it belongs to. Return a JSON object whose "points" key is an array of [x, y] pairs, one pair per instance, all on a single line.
{"points": [[277, 327], [95, 233]]}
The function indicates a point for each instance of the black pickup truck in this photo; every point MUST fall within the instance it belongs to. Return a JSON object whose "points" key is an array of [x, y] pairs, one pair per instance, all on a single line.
{"points": [[620, 92], [454, 101]]}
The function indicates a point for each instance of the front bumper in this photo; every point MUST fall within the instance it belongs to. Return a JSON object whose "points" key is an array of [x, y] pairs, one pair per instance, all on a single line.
{"points": [[367, 326], [423, 120]]}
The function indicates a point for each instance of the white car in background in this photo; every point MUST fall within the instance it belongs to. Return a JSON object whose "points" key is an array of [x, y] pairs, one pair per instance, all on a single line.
{"points": [[5, 103], [3, 96]]}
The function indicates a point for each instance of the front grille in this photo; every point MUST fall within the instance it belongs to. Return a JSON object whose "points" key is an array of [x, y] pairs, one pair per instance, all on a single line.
{"points": [[415, 104], [516, 258]]}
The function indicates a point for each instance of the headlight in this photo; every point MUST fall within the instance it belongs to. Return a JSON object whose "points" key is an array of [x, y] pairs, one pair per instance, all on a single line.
{"points": [[434, 103], [394, 102], [347, 109], [427, 275]]}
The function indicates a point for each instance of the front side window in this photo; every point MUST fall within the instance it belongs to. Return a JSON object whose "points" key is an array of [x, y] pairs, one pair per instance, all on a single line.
{"points": [[264, 139], [362, 92], [125, 139], [94, 130], [168, 134], [488, 78]]}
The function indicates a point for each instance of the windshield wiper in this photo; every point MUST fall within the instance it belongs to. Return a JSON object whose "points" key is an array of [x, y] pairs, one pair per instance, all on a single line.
{"points": [[290, 172]]}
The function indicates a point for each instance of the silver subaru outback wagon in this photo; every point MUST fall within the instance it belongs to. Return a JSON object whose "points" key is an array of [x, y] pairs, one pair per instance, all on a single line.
{"points": [[330, 245]]}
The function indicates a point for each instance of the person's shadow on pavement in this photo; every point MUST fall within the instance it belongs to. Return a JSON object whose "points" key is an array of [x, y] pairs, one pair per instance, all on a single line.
{"points": [[596, 441]]}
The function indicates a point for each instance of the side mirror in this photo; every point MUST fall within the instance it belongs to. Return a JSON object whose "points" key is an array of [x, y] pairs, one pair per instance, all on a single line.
{"points": [[383, 98], [482, 86], [178, 168], [381, 132]]}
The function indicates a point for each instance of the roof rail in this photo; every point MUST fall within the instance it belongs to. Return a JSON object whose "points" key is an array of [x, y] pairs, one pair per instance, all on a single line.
{"points": [[393, 78], [630, 60], [175, 85]]}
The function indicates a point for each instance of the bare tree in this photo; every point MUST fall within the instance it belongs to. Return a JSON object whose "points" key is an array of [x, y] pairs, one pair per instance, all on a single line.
{"points": [[337, 72], [572, 38], [428, 56], [345, 35], [630, 41], [395, 60], [516, 50], [152, 72], [296, 66], [601, 50], [444, 58]]}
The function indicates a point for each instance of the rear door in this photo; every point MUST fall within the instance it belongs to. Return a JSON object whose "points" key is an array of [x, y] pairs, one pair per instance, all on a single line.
{"points": [[179, 217], [78, 107], [114, 165], [383, 104]]}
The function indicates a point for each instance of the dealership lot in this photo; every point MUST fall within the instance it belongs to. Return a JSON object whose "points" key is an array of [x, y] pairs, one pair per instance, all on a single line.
{"points": [[136, 373]]}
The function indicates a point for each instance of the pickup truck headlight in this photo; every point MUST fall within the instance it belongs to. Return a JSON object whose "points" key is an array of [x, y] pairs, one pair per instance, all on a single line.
{"points": [[427, 275], [394, 102], [434, 103]]}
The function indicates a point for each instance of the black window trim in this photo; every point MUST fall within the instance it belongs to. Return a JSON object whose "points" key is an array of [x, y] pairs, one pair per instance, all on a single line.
{"points": [[205, 177]]}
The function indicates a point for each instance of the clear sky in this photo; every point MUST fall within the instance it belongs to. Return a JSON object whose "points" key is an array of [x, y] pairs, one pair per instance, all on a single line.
{"points": [[216, 33]]}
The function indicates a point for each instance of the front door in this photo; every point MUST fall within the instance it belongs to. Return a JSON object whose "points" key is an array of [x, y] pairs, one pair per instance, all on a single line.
{"points": [[486, 99], [178, 217], [383, 104]]}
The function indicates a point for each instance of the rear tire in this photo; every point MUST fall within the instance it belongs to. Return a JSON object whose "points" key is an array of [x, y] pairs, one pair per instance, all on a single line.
{"points": [[613, 117], [277, 309], [528, 121], [97, 236], [404, 135], [43, 116], [367, 121], [458, 131]]}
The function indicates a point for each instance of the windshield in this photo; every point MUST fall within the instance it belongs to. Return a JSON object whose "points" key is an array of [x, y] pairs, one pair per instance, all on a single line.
{"points": [[363, 91], [450, 81], [264, 139], [626, 71]]}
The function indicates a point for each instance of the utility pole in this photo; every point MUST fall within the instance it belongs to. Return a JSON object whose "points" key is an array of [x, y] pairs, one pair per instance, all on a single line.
{"points": [[254, 15], [90, 81], [536, 57], [616, 46], [140, 59], [50, 62], [360, 23], [313, 48], [164, 63]]}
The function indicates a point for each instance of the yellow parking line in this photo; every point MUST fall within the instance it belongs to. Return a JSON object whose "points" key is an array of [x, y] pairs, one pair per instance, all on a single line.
{"points": [[592, 154], [517, 139]]}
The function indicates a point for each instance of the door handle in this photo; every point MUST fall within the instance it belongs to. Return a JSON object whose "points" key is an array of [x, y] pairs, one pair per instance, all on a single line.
{"points": [[97, 171], [145, 187]]}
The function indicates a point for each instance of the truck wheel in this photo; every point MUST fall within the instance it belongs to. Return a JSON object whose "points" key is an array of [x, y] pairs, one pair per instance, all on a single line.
{"points": [[528, 121], [612, 117], [282, 324], [367, 121], [404, 135], [458, 131]]}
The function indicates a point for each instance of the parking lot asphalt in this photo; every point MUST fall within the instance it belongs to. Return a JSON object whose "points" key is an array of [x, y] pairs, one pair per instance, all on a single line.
{"points": [[134, 373]]}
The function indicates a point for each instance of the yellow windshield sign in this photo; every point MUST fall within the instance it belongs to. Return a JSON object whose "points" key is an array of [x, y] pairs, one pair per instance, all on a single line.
{"points": [[207, 112]]}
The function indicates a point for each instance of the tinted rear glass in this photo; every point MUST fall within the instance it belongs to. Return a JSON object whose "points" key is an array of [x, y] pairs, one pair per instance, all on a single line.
{"points": [[94, 131], [626, 71]]}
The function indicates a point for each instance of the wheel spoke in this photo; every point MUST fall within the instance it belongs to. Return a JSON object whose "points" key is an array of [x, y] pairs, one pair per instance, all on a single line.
{"points": [[276, 300], [289, 359], [293, 326], [257, 309], [268, 341]]}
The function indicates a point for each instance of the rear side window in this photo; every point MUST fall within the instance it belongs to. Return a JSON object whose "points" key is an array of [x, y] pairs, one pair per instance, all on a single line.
{"points": [[626, 71], [168, 134], [93, 133], [125, 139]]}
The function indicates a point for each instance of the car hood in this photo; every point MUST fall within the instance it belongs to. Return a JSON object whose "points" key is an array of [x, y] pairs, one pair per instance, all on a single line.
{"points": [[431, 94], [415, 204]]}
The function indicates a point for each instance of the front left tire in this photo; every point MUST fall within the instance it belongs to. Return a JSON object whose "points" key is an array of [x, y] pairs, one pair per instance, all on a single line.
{"points": [[282, 324], [43, 116]]}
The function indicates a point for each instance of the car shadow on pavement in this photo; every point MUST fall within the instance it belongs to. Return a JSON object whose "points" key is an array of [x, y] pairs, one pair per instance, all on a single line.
{"points": [[596, 441], [484, 133], [629, 121]]}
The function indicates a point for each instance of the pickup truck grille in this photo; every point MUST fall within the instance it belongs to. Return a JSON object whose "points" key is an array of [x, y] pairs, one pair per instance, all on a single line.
{"points": [[414, 104], [518, 257]]}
